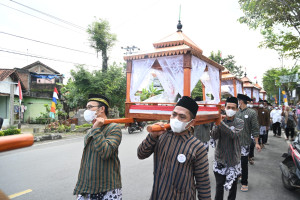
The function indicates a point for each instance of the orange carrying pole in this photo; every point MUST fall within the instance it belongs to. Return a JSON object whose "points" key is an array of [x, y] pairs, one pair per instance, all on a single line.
{"points": [[15, 141], [156, 128], [120, 120]]}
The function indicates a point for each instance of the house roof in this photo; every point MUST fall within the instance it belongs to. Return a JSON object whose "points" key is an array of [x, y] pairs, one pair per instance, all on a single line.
{"points": [[175, 44], [40, 63], [4, 73]]}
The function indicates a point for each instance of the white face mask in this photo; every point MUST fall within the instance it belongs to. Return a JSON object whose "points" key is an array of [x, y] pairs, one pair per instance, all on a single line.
{"points": [[251, 106], [178, 126], [230, 112], [261, 105], [276, 108], [89, 115]]}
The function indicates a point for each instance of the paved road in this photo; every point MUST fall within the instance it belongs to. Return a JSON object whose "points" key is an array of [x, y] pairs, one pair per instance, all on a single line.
{"points": [[50, 170]]}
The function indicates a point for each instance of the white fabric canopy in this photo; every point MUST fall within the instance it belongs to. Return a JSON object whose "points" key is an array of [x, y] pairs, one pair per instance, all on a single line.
{"points": [[172, 67], [167, 85], [256, 94], [247, 92], [261, 95], [140, 69], [229, 84], [198, 67], [214, 77], [239, 89], [172, 76]]}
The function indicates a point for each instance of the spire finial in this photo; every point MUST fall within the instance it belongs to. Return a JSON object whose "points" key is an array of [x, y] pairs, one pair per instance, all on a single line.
{"points": [[245, 71], [179, 25]]}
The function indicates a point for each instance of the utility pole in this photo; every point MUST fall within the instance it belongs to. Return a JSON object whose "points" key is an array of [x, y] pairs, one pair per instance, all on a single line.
{"points": [[11, 105], [130, 50]]}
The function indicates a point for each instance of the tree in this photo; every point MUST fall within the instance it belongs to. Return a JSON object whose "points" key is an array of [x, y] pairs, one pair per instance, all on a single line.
{"points": [[271, 80], [101, 39], [227, 62], [279, 22], [197, 91], [111, 83]]}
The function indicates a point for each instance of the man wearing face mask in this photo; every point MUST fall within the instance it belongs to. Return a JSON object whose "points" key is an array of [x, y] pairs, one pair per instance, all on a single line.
{"points": [[180, 159], [275, 116], [227, 163], [264, 123], [251, 126], [99, 175]]}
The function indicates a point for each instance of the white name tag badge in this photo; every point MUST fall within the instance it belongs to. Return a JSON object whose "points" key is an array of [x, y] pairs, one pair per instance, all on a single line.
{"points": [[232, 128], [246, 116], [181, 158]]}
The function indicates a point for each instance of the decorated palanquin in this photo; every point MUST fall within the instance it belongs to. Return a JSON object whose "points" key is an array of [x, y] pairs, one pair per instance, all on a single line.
{"points": [[263, 94], [230, 85], [251, 90], [179, 65]]}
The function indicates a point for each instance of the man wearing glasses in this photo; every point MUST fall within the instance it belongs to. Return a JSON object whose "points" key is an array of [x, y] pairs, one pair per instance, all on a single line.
{"points": [[99, 175]]}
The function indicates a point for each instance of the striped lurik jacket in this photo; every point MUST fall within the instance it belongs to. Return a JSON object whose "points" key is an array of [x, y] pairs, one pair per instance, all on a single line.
{"points": [[100, 165], [180, 167], [249, 116]]}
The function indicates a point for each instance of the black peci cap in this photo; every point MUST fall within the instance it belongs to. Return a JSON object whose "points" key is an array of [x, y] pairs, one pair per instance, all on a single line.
{"points": [[189, 104], [232, 100], [243, 97]]}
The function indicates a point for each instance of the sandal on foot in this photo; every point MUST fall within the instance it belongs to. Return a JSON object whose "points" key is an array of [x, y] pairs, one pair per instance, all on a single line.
{"points": [[244, 188]]}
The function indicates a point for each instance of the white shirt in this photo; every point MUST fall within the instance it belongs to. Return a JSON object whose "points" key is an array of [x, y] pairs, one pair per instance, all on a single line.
{"points": [[276, 116]]}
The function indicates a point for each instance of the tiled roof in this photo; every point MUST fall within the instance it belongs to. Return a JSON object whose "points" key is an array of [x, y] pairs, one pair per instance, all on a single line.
{"points": [[262, 91], [4, 73], [226, 75], [40, 63], [176, 39], [174, 44]]}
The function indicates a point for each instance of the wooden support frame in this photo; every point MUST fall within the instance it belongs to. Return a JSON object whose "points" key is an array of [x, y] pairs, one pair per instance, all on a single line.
{"points": [[234, 87], [128, 79], [200, 119], [187, 63], [203, 92]]}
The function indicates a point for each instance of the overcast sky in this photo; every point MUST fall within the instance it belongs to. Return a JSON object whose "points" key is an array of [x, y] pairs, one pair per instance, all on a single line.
{"points": [[212, 25]]}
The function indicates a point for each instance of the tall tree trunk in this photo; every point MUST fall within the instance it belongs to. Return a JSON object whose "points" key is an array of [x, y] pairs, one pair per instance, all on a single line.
{"points": [[104, 60]]}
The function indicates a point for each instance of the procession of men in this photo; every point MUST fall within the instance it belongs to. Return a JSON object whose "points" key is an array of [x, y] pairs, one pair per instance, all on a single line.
{"points": [[181, 165]]}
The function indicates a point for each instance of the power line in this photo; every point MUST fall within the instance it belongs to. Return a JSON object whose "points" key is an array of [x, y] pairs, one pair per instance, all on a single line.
{"points": [[39, 56], [46, 43], [40, 18], [51, 16]]}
